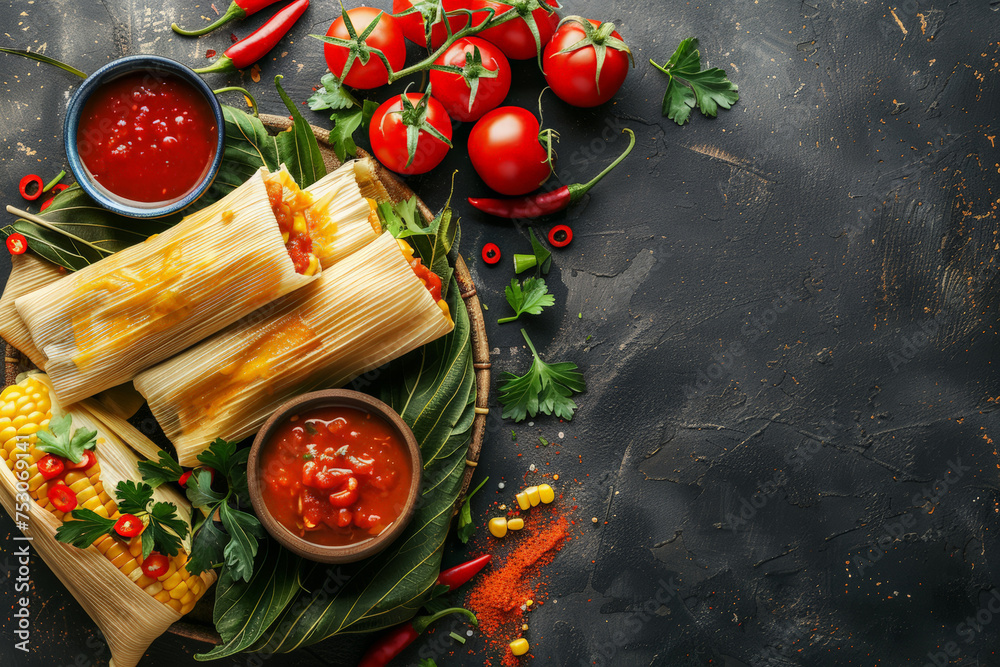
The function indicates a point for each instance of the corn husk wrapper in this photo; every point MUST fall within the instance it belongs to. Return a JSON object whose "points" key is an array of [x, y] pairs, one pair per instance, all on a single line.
{"points": [[27, 274], [351, 222], [364, 311], [101, 325], [129, 618]]}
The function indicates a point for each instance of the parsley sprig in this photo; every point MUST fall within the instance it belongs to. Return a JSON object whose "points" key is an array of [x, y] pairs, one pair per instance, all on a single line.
{"points": [[62, 440], [691, 86], [545, 388], [236, 546], [163, 532], [529, 297], [167, 469], [348, 114]]}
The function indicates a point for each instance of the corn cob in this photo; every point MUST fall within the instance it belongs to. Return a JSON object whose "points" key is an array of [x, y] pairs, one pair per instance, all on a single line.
{"points": [[25, 409]]}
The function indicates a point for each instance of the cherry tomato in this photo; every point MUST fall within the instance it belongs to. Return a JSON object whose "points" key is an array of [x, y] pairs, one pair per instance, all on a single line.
{"points": [[573, 75], [507, 153], [155, 565], [389, 127], [62, 497], [454, 90], [50, 466], [347, 496], [414, 25], [387, 36], [128, 525], [514, 37], [87, 461], [321, 477]]}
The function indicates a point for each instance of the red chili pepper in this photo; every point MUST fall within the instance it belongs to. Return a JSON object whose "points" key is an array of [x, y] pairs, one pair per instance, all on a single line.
{"points": [[48, 202], [491, 253], [28, 180], [535, 206], [17, 244], [239, 9], [87, 461], [62, 497], [460, 574], [50, 466], [128, 525], [187, 475], [251, 49], [560, 236], [392, 643], [155, 565]]}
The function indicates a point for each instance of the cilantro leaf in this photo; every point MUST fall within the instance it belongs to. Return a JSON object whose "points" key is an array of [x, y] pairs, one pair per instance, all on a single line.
{"points": [[61, 440], [244, 531], [167, 528], [527, 298], [403, 219], [345, 123], [332, 95], [133, 498], [231, 462], [87, 527], [545, 388], [167, 469], [690, 86], [465, 528], [200, 492], [207, 547]]}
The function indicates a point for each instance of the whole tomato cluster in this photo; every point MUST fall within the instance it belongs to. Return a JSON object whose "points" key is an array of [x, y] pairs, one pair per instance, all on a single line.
{"points": [[585, 63]]}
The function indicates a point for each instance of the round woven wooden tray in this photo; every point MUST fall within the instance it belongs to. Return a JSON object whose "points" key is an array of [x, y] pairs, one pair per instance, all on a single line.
{"points": [[15, 362]]}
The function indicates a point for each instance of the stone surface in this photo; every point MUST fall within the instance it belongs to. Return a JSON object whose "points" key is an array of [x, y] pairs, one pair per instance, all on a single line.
{"points": [[785, 316]]}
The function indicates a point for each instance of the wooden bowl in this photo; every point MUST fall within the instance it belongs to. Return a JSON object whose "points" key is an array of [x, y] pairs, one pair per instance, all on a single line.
{"points": [[319, 552]]}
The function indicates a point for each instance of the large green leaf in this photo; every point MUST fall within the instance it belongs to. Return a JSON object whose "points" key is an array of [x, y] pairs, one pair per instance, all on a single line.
{"points": [[433, 389], [299, 148], [244, 609]]}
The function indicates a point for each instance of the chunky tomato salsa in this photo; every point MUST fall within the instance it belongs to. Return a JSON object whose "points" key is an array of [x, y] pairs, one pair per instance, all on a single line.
{"points": [[335, 475], [147, 136]]}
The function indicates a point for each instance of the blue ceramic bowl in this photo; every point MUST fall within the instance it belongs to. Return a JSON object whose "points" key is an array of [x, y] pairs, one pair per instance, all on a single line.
{"points": [[99, 193]]}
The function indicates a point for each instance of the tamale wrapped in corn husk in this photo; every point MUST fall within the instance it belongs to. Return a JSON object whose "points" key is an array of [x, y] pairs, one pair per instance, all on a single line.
{"points": [[364, 311], [101, 325], [27, 274], [345, 196], [106, 578]]}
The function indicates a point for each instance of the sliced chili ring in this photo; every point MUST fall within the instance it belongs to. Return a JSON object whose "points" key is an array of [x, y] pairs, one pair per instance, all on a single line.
{"points": [[183, 481], [47, 203], [50, 466], [155, 565], [560, 236], [491, 253], [128, 525], [87, 461], [26, 182], [62, 497], [17, 244]]}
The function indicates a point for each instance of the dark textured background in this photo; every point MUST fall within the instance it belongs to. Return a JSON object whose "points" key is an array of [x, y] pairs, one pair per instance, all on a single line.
{"points": [[787, 323]]}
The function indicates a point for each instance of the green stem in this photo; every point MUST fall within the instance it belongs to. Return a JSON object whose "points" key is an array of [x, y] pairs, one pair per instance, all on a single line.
{"points": [[44, 59], [467, 31], [55, 180], [234, 13], [577, 191], [421, 623], [662, 69], [223, 64], [505, 320], [253, 102], [530, 345]]}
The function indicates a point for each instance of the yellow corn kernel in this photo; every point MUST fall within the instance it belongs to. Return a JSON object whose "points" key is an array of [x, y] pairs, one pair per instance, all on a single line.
{"points": [[175, 605], [28, 428], [74, 476], [123, 558], [8, 433], [22, 401], [154, 588], [188, 598], [517, 523], [162, 596], [178, 591], [130, 567], [522, 500], [299, 224], [196, 585], [519, 646], [170, 579], [498, 527], [533, 497], [185, 609], [546, 494], [312, 267], [143, 581], [135, 547]]}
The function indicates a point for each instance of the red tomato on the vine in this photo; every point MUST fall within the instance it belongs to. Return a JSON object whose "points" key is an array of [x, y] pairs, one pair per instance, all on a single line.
{"points": [[387, 37], [573, 75], [507, 153], [454, 90], [395, 120], [414, 25], [514, 37]]}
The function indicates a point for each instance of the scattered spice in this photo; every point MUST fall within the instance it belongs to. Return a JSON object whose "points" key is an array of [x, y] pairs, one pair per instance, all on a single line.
{"points": [[498, 598]]}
